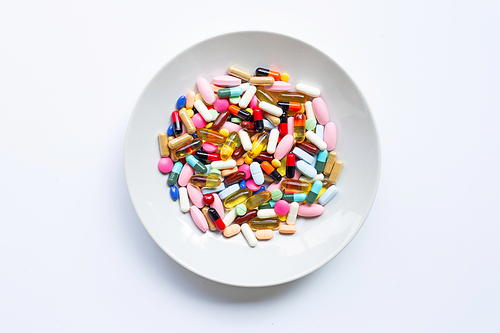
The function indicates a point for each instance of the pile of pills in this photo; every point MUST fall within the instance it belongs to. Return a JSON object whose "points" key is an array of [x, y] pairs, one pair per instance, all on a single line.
{"points": [[250, 154]]}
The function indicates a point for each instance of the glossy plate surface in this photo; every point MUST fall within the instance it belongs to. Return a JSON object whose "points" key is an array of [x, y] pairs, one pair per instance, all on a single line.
{"points": [[284, 258]]}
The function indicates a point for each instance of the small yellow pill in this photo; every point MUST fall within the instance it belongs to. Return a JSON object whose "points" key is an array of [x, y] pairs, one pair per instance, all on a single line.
{"points": [[285, 77], [282, 218], [248, 160], [190, 113], [264, 234], [231, 230], [276, 163], [209, 125], [224, 132], [287, 229]]}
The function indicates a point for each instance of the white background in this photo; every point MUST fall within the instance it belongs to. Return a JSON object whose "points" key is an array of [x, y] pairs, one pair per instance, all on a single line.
{"points": [[74, 257]]}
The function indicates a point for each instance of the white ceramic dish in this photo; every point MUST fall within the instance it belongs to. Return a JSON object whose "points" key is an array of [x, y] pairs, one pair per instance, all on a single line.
{"points": [[284, 258]]}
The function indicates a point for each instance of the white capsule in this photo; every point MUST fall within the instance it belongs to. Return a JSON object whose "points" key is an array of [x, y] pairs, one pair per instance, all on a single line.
{"points": [[228, 191], [202, 109], [249, 235], [184, 199], [319, 176], [308, 90], [256, 171], [292, 214], [228, 164], [310, 112], [245, 139], [229, 218], [316, 140], [328, 195], [244, 86], [306, 169], [320, 131], [273, 140], [271, 109], [247, 97], [268, 125], [265, 213]]}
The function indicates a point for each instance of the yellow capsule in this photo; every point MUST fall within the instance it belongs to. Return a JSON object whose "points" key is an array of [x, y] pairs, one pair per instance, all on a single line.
{"points": [[237, 198], [282, 168], [190, 113], [204, 181], [334, 176], [211, 224], [296, 185], [276, 163], [229, 146], [285, 77], [299, 127], [163, 141], [248, 160], [265, 223], [210, 136], [258, 199], [188, 148], [265, 96], [258, 145], [332, 157], [224, 132]]}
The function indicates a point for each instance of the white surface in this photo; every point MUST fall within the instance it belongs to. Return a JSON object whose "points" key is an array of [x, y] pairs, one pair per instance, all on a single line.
{"points": [[75, 257], [285, 258]]}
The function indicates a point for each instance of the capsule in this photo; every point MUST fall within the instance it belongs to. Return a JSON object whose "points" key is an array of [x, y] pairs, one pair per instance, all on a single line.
{"points": [[264, 96], [332, 157], [238, 152], [249, 125], [251, 214], [186, 120], [283, 126], [179, 141], [221, 119], [196, 164], [308, 147], [271, 171], [211, 224], [290, 165], [267, 72], [321, 160], [201, 181], [299, 127], [314, 192], [189, 148], [296, 185], [237, 198], [263, 156], [236, 177], [210, 136], [216, 219], [257, 119], [229, 92], [206, 157], [239, 73], [258, 199], [334, 176], [290, 106], [229, 145], [294, 197], [258, 145], [290, 96], [264, 223], [174, 174], [163, 142], [176, 122], [240, 112]]}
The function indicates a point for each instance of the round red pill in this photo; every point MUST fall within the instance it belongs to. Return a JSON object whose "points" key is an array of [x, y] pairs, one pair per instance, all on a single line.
{"points": [[208, 198]]}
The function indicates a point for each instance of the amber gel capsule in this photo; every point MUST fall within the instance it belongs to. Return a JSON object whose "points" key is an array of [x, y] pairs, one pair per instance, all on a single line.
{"points": [[296, 185], [210, 136], [258, 145], [258, 199], [232, 140], [290, 96], [188, 148], [265, 96], [237, 198], [265, 223], [204, 181], [299, 127]]}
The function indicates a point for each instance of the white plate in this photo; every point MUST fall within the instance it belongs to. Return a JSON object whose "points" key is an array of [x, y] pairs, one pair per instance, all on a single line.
{"points": [[284, 258]]}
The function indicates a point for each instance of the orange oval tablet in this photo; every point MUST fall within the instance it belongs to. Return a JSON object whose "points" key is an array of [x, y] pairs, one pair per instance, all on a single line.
{"points": [[231, 230], [264, 234], [287, 229]]}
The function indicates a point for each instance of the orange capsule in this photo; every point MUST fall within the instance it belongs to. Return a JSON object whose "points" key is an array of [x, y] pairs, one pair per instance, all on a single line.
{"points": [[271, 171]]}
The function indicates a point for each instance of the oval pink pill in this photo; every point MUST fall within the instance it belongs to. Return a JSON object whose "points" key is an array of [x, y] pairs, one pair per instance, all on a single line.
{"points": [[195, 196], [205, 90], [253, 102], [198, 121], [274, 186], [198, 218], [330, 136], [165, 165], [284, 147], [281, 207], [246, 169], [252, 186], [186, 173], [320, 110], [231, 127], [218, 205], [210, 147], [221, 104], [279, 86], [310, 210], [226, 81]]}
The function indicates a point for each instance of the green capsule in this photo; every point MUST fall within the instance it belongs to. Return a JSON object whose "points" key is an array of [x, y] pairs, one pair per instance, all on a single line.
{"points": [[174, 174], [313, 193]]}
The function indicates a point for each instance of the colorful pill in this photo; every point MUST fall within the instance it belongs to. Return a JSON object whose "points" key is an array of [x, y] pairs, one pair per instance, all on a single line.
{"points": [[198, 218], [250, 214], [228, 191], [270, 170], [266, 213], [231, 230], [201, 181], [265, 96], [239, 112], [328, 195], [210, 136], [310, 210], [284, 146], [196, 164], [211, 224], [258, 121], [246, 143], [308, 147], [299, 127], [163, 143], [229, 92], [283, 125], [262, 80], [190, 99], [309, 159], [170, 130], [236, 177], [294, 197], [290, 96], [289, 106], [258, 199], [296, 185], [320, 111], [334, 176], [206, 157], [313, 193], [174, 192], [186, 120], [176, 122], [205, 90], [214, 215], [239, 73], [310, 112], [236, 198], [179, 141], [264, 223], [290, 165], [230, 217], [321, 160], [332, 157], [226, 81], [267, 72], [188, 148], [271, 109], [258, 145], [287, 229], [279, 86], [174, 174], [264, 234]]}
